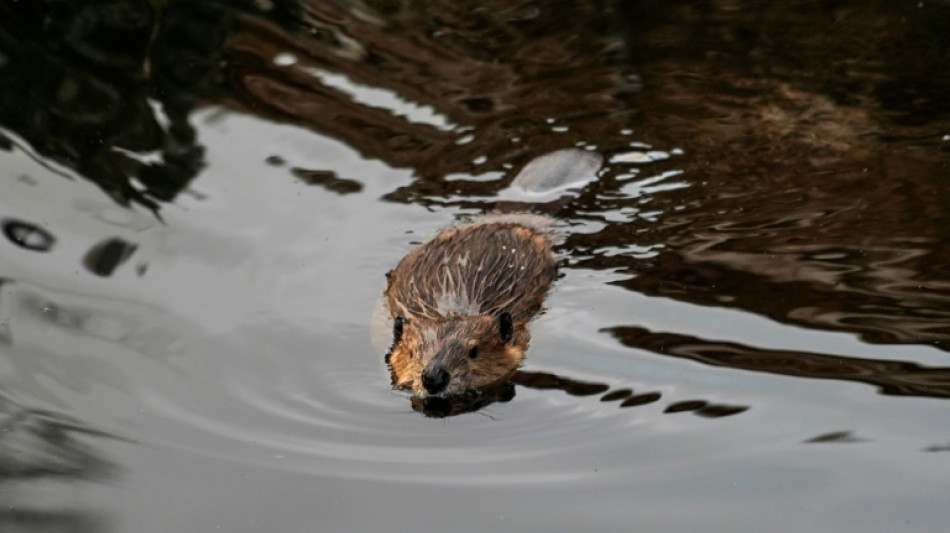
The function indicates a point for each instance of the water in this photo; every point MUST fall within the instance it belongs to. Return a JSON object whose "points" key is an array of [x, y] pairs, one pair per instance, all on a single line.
{"points": [[750, 333]]}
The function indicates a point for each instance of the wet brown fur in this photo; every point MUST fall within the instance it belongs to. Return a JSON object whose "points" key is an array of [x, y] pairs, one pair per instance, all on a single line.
{"points": [[450, 292]]}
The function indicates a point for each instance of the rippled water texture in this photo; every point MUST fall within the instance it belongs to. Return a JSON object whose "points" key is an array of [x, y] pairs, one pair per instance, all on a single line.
{"points": [[200, 201]]}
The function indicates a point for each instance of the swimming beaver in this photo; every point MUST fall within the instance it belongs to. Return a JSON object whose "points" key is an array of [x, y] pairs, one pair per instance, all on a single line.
{"points": [[461, 303]]}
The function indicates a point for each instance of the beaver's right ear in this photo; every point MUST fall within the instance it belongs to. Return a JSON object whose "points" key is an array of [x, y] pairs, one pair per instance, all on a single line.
{"points": [[505, 326], [397, 329]]}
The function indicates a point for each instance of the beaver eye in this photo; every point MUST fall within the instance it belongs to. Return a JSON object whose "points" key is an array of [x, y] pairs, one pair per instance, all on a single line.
{"points": [[473, 353], [397, 329], [505, 326]]}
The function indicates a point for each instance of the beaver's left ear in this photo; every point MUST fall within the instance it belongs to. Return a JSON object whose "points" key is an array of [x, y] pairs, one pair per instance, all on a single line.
{"points": [[505, 326], [398, 325]]}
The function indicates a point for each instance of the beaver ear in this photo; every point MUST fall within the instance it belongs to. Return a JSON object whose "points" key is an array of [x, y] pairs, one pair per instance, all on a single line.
{"points": [[505, 326], [397, 329]]}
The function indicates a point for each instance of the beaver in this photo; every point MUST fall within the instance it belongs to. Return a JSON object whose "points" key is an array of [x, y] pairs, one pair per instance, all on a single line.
{"points": [[461, 303]]}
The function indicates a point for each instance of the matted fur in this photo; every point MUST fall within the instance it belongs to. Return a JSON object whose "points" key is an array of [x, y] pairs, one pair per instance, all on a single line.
{"points": [[451, 290]]}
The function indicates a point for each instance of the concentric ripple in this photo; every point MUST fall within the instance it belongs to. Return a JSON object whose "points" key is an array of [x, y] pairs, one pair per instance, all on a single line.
{"points": [[284, 406]]}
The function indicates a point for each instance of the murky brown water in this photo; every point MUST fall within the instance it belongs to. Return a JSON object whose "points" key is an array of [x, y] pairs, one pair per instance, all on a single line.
{"points": [[201, 199]]}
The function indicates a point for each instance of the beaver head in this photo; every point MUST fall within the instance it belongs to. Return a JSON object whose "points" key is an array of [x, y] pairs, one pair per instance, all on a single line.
{"points": [[455, 355]]}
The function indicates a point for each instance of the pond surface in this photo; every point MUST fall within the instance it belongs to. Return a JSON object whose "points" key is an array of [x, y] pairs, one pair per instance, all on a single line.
{"points": [[201, 199]]}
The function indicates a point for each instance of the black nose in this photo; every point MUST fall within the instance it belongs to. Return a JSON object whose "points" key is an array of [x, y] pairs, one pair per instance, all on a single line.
{"points": [[435, 380]]}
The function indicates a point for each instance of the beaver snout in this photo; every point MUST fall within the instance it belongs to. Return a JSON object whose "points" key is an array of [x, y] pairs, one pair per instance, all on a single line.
{"points": [[435, 380]]}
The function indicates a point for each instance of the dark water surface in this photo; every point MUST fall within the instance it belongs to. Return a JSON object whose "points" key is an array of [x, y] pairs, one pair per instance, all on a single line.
{"points": [[200, 199]]}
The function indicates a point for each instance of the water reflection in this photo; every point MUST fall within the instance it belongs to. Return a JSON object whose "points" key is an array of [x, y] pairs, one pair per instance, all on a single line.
{"points": [[27, 235], [838, 437], [38, 443], [121, 113], [781, 154], [428, 87], [818, 192], [785, 160], [895, 378], [46, 521], [328, 180], [116, 115], [780, 158], [813, 200], [440, 407], [106, 256]]}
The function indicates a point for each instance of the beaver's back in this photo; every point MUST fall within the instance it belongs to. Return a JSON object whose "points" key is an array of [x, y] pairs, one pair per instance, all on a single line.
{"points": [[496, 264]]}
